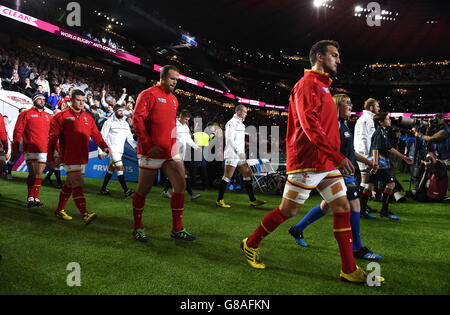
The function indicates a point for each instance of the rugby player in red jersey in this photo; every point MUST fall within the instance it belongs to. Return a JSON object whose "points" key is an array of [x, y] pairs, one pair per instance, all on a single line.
{"points": [[73, 127], [33, 126], [154, 122], [314, 160]]}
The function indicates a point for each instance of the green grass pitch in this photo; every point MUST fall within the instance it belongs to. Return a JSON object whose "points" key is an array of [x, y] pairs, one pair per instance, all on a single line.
{"points": [[37, 247]]}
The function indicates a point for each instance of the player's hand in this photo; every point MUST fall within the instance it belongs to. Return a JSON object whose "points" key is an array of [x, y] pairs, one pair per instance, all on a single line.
{"points": [[155, 151], [242, 156], [374, 169], [7, 156], [408, 160], [346, 167], [107, 151], [199, 149], [100, 156]]}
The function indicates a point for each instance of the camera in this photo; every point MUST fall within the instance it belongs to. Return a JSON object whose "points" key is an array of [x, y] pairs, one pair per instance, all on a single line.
{"points": [[425, 127], [408, 122]]}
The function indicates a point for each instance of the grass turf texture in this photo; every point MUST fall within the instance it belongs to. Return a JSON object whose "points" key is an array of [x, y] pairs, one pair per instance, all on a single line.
{"points": [[37, 247]]}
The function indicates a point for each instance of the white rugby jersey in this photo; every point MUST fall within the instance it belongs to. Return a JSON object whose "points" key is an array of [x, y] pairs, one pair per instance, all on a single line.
{"points": [[234, 138], [364, 128], [115, 132], [184, 138]]}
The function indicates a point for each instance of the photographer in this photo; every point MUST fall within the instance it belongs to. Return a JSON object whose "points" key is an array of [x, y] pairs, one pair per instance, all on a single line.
{"points": [[438, 138]]}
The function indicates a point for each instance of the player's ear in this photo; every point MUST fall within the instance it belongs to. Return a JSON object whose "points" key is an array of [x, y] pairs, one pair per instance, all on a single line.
{"points": [[319, 57]]}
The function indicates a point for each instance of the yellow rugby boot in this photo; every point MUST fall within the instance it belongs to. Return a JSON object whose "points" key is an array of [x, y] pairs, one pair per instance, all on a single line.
{"points": [[252, 255], [63, 215]]}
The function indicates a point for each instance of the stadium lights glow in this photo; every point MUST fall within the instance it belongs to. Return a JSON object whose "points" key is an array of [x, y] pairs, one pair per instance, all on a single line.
{"points": [[317, 3], [323, 3]]}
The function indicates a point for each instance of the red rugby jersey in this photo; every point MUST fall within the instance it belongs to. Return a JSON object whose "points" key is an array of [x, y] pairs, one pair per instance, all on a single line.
{"points": [[313, 141], [73, 131], [154, 121], [33, 126], [3, 135]]}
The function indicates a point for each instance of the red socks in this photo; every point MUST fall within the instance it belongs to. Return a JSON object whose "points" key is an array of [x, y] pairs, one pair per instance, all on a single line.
{"points": [[270, 222], [177, 205], [64, 196], [138, 208], [78, 198], [34, 186], [343, 235]]}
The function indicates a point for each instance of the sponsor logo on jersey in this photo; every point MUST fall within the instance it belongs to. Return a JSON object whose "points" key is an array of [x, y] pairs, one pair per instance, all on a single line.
{"points": [[34, 116], [162, 100], [325, 90], [70, 118]]}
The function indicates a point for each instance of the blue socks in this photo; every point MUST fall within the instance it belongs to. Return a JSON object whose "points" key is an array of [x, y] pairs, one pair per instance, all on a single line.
{"points": [[354, 222], [313, 215], [316, 213]]}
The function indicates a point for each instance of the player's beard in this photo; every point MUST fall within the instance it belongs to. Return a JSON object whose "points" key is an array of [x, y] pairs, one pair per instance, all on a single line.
{"points": [[39, 106], [118, 116], [329, 70]]}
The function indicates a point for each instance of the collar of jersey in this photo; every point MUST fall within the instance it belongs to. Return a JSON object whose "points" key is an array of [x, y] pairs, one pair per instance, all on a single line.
{"points": [[323, 76], [237, 117], [74, 111], [368, 112]]}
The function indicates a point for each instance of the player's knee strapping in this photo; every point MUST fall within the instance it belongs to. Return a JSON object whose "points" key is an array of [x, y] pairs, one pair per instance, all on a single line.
{"points": [[296, 192], [334, 191]]}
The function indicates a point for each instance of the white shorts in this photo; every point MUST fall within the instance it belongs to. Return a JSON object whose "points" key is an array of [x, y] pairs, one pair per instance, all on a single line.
{"points": [[299, 185], [116, 158], [75, 168], [235, 162], [40, 157], [154, 164]]}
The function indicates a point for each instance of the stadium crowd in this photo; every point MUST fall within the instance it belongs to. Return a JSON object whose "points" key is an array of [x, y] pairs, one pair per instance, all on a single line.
{"points": [[28, 72]]}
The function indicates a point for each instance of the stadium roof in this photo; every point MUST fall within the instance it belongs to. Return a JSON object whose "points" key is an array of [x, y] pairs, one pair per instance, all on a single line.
{"points": [[418, 32]]}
